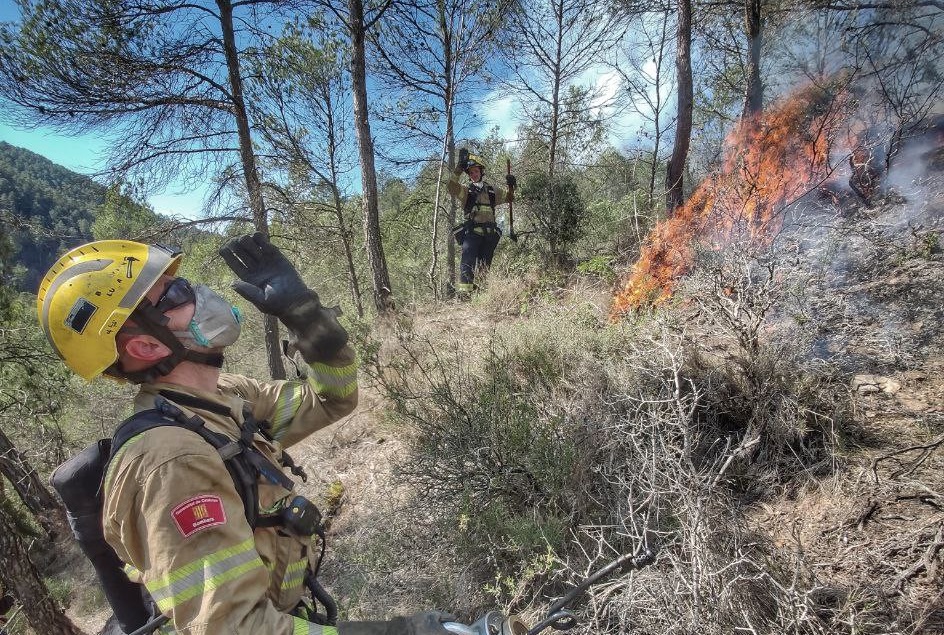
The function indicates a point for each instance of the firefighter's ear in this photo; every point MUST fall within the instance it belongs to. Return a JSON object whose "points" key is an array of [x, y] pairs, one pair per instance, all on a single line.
{"points": [[144, 348]]}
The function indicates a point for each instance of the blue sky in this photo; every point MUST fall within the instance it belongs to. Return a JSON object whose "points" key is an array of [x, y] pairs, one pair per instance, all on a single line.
{"points": [[86, 154]]}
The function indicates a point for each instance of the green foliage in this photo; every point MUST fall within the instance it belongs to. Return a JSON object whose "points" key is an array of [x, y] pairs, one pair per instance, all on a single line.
{"points": [[557, 209], [599, 266], [6, 267], [333, 495], [487, 451], [46, 209], [507, 586], [930, 244], [35, 387], [406, 222], [121, 216], [611, 177]]}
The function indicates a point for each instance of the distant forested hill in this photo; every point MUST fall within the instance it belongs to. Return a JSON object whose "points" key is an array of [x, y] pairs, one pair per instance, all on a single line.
{"points": [[45, 209]]}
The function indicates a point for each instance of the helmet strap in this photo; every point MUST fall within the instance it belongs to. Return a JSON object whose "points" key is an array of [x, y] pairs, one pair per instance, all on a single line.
{"points": [[154, 323]]}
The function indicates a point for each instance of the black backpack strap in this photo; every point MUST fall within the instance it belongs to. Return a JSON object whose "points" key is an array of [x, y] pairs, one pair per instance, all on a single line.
{"points": [[471, 199], [143, 421], [189, 401], [167, 414], [264, 428], [491, 197]]}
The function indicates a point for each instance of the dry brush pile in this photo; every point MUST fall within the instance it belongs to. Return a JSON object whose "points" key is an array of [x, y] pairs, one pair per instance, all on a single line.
{"points": [[539, 451]]}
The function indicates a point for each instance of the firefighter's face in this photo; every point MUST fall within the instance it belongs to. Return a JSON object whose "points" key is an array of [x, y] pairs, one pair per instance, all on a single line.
{"points": [[475, 173]]}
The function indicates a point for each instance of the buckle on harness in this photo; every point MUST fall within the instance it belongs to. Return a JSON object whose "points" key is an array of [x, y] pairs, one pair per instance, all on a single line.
{"points": [[229, 450]]}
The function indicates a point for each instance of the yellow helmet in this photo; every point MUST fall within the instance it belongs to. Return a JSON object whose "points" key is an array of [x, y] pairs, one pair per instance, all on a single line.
{"points": [[91, 291], [475, 161]]}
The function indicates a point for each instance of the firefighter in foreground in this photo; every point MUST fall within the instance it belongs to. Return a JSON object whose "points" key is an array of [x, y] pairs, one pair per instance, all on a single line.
{"points": [[172, 510], [479, 234]]}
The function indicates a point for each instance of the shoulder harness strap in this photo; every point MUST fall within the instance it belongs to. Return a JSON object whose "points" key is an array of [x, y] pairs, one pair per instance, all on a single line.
{"points": [[472, 198], [243, 461]]}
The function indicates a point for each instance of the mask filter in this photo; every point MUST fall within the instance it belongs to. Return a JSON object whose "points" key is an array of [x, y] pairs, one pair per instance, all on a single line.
{"points": [[215, 323]]}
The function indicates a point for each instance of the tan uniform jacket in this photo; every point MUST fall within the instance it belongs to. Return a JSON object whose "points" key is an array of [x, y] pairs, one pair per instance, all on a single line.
{"points": [[482, 212], [173, 514]]}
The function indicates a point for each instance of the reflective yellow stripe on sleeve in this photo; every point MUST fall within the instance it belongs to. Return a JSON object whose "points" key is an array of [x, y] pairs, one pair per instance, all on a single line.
{"points": [[202, 575], [286, 405], [294, 575], [307, 628], [333, 381], [133, 574]]}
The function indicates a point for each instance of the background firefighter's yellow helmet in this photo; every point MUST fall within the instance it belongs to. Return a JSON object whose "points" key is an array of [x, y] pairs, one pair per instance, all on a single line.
{"points": [[475, 160], [90, 293]]}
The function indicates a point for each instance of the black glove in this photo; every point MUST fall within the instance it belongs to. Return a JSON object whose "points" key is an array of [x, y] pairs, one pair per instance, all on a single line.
{"points": [[511, 181], [428, 623], [463, 162], [271, 283]]}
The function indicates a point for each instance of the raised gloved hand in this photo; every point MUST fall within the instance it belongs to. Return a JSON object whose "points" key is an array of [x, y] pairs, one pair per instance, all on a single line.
{"points": [[269, 281], [511, 181], [463, 163], [426, 623]]}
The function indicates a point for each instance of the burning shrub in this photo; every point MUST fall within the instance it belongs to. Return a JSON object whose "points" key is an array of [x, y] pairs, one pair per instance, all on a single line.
{"points": [[770, 163]]}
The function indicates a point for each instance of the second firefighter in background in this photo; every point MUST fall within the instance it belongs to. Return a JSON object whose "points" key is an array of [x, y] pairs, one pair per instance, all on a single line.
{"points": [[479, 233]]}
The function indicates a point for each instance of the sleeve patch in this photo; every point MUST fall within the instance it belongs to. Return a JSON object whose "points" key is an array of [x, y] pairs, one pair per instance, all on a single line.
{"points": [[198, 513]]}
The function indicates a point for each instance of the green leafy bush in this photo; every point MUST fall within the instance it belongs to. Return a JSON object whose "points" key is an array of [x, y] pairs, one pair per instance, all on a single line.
{"points": [[599, 266], [487, 453], [557, 210]]}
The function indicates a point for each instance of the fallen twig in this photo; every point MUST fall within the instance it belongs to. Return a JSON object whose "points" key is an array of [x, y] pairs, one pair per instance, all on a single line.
{"points": [[857, 521], [926, 562], [907, 469]]}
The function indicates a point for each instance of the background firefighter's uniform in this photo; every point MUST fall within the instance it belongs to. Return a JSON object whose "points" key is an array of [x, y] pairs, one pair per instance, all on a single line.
{"points": [[225, 578], [481, 233]]}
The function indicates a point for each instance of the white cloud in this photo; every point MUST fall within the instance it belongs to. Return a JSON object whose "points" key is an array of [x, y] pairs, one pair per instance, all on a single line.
{"points": [[500, 109]]}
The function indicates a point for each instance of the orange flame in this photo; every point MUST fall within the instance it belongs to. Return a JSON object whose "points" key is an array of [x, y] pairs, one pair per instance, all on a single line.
{"points": [[770, 162]]}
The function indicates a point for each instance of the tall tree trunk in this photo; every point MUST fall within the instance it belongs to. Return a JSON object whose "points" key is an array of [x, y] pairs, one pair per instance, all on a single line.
{"points": [[260, 217], [555, 100], [41, 502], [674, 195], [19, 576], [453, 216], [434, 238], [346, 241], [451, 152], [450, 62], [344, 231], [383, 294], [657, 112], [754, 87]]}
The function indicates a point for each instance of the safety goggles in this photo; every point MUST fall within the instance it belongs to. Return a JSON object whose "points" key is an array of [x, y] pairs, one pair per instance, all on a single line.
{"points": [[177, 293]]}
